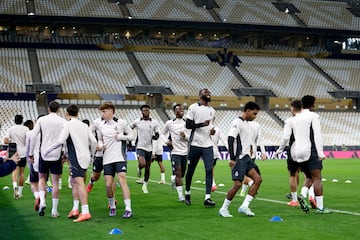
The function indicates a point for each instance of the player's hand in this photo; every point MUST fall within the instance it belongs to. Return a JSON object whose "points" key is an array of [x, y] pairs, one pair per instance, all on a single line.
{"points": [[206, 123], [182, 134], [322, 158], [31, 159], [212, 131], [231, 163], [15, 157], [263, 156]]}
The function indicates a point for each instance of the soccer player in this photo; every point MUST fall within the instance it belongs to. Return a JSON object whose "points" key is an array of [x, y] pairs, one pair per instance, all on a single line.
{"points": [[293, 166], [218, 139], [17, 134], [111, 134], [258, 140], [199, 119], [80, 145], [157, 154], [308, 151], [179, 143], [49, 128], [147, 130], [241, 148]]}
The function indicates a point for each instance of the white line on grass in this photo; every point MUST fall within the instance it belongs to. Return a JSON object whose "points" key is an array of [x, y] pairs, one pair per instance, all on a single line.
{"points": [[261, 199]]}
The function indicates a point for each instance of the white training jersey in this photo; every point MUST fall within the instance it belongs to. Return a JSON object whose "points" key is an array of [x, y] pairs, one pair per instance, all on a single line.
{"points": [[110, 138], [79, 140], [198, 113], [95, 130], [36, 148], [244, 136], [49, 128], [258, 138], [17, 134], [302, 124], [174, 127], [158, 145], [145, 131], [218, 139]]}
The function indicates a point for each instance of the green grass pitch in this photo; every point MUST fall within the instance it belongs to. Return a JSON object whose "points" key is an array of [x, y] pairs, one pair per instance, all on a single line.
{"points": [[158, 215]]}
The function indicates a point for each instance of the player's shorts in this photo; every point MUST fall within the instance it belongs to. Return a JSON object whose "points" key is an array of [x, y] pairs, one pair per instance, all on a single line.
{"points": [[22, 162], [98, 164], [292, 165], [242, 167], [115, 167], [34, 176], [76, 170], [157, 158], [147, 155], [313, 163], [179, 160], [54, 167]]}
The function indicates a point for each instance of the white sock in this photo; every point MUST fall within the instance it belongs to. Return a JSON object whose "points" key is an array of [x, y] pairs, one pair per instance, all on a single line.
{"points": [[213, 182], [179, 190], [127, 203], [42, 198], [55, 203], [226, 204], [20, 190], [294, 196], [304, 191], [247, 201], [36, 195], [244, 187], [15, 185], [76, 205], [311, 192], [112, 202], [145, 184], [85, 209], [162, 175], [172, 178], [207, 196], [319, 202], [251, 182]]}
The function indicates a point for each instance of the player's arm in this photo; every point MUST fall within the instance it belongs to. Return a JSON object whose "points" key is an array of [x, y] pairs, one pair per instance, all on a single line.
{"points": [[318, 137], [286, 137], [64, 134]]}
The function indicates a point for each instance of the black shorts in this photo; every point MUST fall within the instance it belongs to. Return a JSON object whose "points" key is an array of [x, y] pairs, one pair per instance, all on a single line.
{"points": [[22, 162], [179, 160], [292, 165], [76, 170], [313, 163], [147, 155], [98, 164], [242, 167], [158, 158], [116, 167], [54, 167], [34, 176]]}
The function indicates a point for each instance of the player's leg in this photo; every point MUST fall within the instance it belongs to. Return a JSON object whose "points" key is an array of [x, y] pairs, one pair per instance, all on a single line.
{"points": [[22, 165], [109, 173], [96, 173], [208, 158], [213, 186], [14, 178], [125, 189], [194, 157], [159, 160]]}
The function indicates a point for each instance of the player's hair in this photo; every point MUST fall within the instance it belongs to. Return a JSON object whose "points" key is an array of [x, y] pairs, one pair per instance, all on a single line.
{"points": [[54, 106], [203, 89], [176, 105], [308, 101], [296, 104], [29, 123], [107, 105], [251, 106], [144, 106], [19, 119], [72, 110]]}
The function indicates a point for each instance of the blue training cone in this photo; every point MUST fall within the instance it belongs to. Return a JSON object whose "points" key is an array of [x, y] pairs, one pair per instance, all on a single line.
{"points": [[115, 231], [276, 219]]}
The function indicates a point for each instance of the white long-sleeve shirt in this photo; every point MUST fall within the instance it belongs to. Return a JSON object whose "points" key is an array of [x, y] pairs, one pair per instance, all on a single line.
{"points": [[110, 138], [29, 138], [49, 128], [199, 114], [95, 128], [174, 127], [80, 142], [301, 125], [219, 139], [258, 138], [145, 132]]}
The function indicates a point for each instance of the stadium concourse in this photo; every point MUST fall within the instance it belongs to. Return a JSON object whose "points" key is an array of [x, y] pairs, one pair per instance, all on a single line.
{"points": [[162, 52]]}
